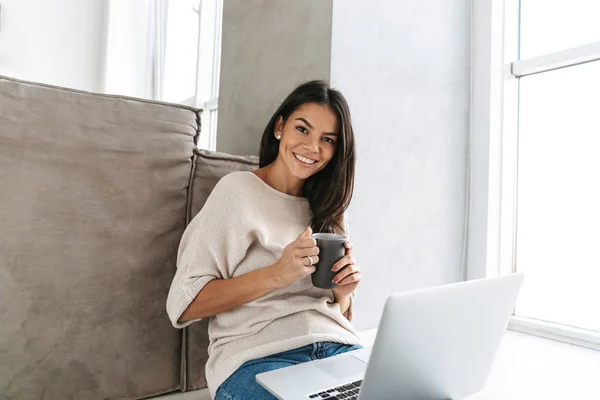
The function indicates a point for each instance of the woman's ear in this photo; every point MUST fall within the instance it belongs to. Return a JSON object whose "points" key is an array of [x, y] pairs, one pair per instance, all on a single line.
{"points": [[278, 128]]}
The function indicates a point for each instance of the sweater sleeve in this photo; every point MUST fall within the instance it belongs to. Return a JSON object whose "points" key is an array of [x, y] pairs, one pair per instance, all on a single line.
{"points": [[211, 247]]}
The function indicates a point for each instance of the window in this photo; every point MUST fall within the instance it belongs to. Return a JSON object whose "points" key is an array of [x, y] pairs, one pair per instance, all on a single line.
{"points": [[181, 51], [558, 196], [550, 26], [192, 59], [541, 192], [555, 214]]}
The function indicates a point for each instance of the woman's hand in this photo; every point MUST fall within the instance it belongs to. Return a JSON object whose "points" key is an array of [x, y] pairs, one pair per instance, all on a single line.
{"points": [[349, 276], [295, 263]]}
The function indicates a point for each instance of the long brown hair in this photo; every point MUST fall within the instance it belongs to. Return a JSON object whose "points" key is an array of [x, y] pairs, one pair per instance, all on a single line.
{"points": [[329, 191]]}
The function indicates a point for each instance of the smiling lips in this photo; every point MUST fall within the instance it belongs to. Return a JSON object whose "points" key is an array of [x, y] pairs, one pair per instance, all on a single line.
{"points": [[304, 160]]}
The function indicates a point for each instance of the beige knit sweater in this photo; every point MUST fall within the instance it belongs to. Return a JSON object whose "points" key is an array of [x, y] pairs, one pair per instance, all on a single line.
{"points": [[245, 225]]}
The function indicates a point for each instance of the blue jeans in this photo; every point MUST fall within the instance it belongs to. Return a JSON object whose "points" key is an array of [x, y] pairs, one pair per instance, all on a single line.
{"points": [[242, 384]]}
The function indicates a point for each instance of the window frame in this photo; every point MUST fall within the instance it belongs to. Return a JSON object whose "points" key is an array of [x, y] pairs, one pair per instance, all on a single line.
{"points": [[208, 102], [495, 72]]}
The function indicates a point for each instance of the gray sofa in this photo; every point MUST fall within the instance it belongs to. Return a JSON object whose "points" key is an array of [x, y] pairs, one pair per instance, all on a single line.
{"points": [[96, 191]]}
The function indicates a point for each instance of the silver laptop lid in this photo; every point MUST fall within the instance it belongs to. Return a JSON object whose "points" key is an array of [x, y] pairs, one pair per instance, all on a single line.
{"points": [[439, 343]]}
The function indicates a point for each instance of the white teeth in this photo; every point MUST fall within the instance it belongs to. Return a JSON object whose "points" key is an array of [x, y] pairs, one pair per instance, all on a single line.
{"points": [[304, 159]]}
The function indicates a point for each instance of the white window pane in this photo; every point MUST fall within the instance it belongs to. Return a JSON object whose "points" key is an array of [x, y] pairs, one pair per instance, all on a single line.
{"points": [[210, 50], [558, 221], [553, 25], [207, 35], [181, 52]]}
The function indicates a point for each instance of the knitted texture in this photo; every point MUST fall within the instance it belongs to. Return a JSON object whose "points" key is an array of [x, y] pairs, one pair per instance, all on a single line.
{"points": [[245, 225]]}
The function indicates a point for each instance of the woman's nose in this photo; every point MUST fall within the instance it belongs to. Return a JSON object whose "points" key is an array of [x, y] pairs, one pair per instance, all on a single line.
{"points": [[312, 146]]}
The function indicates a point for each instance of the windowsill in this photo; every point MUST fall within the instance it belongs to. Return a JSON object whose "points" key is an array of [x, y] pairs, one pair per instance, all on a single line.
{"points": [[529, 367], [554, 331]]}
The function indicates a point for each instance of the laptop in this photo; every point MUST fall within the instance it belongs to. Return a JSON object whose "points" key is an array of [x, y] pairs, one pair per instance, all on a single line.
{"points": [[437, 343]]}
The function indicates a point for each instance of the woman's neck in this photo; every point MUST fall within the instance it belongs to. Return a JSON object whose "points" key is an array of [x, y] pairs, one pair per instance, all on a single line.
{"points": [[279, 178]]}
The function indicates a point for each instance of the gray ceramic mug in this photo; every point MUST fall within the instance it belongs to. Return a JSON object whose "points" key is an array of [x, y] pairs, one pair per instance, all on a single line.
{"points": [[331, 250]]}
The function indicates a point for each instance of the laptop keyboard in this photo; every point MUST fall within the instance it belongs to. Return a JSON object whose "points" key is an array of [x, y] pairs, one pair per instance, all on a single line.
{"points": [[349, 392]]}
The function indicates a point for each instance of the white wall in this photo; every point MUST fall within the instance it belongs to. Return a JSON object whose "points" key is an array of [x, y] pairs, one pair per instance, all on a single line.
{"points": [[60, 42], [404, 68]]}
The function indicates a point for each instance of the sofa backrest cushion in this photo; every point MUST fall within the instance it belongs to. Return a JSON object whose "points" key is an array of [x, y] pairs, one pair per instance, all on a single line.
{"points": [[93, 203]]}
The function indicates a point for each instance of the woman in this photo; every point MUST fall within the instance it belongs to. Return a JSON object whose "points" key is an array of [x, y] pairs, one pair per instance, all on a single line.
{"points": [[245, 259]]}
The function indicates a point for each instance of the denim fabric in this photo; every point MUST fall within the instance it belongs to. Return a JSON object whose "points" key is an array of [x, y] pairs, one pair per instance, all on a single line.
{"points": [[242, 385]]}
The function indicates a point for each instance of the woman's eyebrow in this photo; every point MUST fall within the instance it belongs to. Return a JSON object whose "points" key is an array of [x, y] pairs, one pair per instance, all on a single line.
{"points": [[305, 121], [311, 127]]}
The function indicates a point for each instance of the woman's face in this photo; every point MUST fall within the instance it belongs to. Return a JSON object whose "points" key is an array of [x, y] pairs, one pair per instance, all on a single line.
{"points": [[308, 139]]}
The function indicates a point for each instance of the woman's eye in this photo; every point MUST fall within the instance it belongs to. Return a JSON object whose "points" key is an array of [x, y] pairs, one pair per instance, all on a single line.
{"points": [[329, 140], [302, 129]]}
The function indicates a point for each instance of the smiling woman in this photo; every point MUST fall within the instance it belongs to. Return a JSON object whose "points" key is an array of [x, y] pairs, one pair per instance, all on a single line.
{"points": [[307, 149], [246, 258], [301, 136]]}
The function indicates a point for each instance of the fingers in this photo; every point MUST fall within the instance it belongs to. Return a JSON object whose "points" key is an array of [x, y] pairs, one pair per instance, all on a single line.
{"points": [[346, 275], [309, 262], [342, 262], [310, 270], [305, 242], [349, 270], [308, 251], [351, 278], [349, 246], [306, 233]]}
